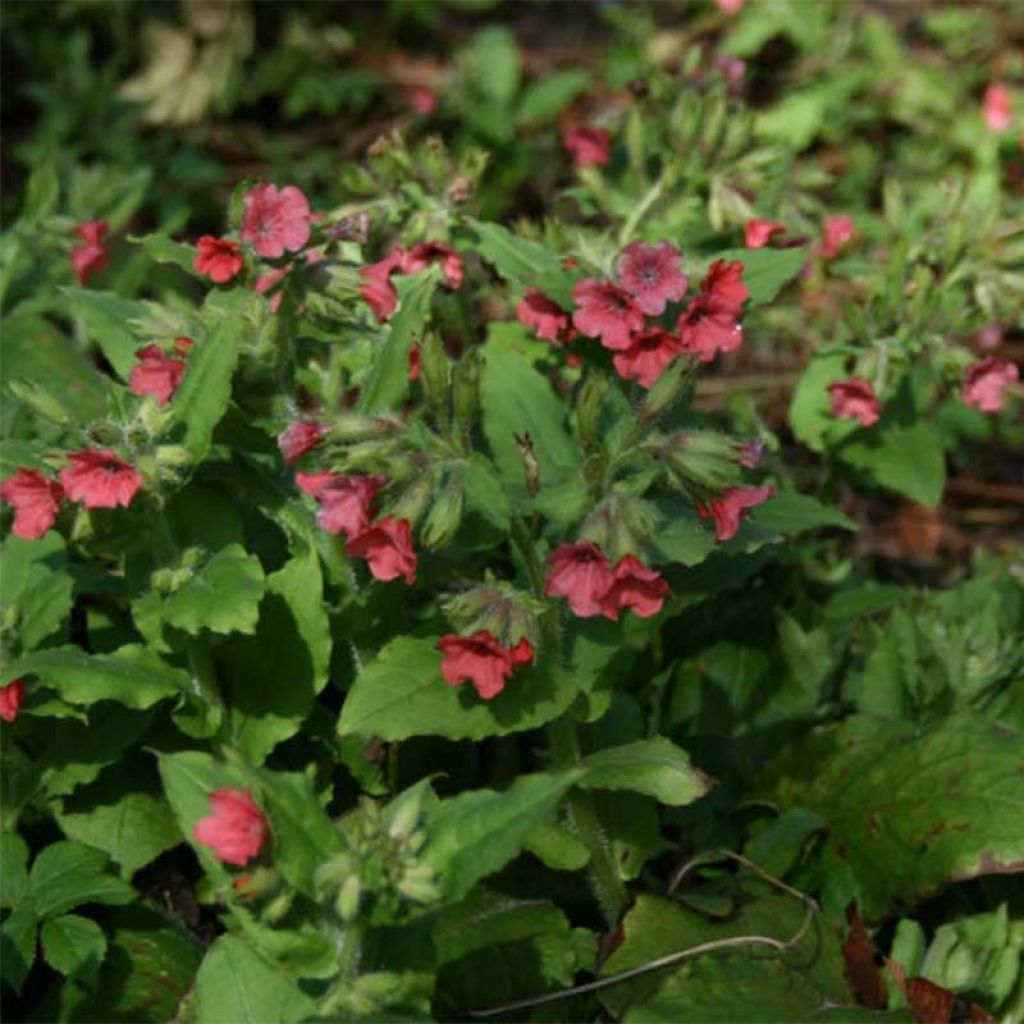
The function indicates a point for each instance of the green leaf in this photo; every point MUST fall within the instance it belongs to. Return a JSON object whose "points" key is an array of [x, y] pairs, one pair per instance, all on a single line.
{"points": [[765, 271], [123, 815], [162, 250], [36, 586], [67, 874], [292, 643], [401, 693], [236, 984], [655, 767], [387, 383], [74, 945], [474, 834], [522, 263], [205, 390], [484, 493], [555, 846], [910, 810], [791, 513], [492, 63], [910, 460], [544, 100], [17, 947], [810, 410], [223, 596], [108, 321], [133, 675], [516, 399], [13, 869]]}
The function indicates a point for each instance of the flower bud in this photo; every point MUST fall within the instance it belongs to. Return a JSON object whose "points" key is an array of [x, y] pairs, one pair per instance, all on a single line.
{"points": [[412, 502], [39, 401], [349, 896], [278, 907], [417, 883], [404, 821], [446, 513], [589, 406], [466, 393], [666, 389], [434, 373], [703, 457], [506, 613]]}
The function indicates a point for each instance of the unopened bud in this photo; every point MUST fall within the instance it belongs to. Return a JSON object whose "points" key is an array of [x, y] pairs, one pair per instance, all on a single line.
{"points": [[418, 884], [404, 821], [278, 907], [703, 457], [434, 373], [589, 406], [466, 393], [412, 502], [349, 896], [39, 401], [666, 389], [531, 467], [446, 513]]}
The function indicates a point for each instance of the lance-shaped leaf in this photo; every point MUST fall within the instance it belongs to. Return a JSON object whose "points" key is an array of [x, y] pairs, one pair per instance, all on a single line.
{"points": [[655, 767], [523, 263]]}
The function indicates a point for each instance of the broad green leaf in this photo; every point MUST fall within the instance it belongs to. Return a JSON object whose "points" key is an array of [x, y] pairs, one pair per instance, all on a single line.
{"points": [[655, 767], [546, 99], [472, 835], [236, 984], [779, 844], [163, 250], [17, 947], [68, 874], [274, 676], [132, 675], [123, 815], [223, 596], [36, 585], [108, 321], [791, 513], [205, 390], [682, 537], [73, 945], [484, 493], [765, 271], [555, 846], [401, 693], [911, 809], [516, 400], [810, 410], [13, 869], [910, 460], [387, 383], [523, 263]]}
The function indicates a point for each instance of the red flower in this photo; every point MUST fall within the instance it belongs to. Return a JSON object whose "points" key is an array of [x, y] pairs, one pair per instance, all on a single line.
{"points": [[728, 509], [759, 232], [266, 281], [99, 479], [634, 586], [723, 286], [606, 312], [708, 326], [11, 697], [996, 108], [377, 290], [36, 500], [276, 221], [647, 356], [985, 380], [387, 546], [481, 660], [838, 232], [588, 147], [156, 373], [547, 318], [422, 99], [300, 437], [855, 399], [421, 255], [88, 258], [235, 829], [345, 501], [651, 275], [218, 258], [581, 573]]}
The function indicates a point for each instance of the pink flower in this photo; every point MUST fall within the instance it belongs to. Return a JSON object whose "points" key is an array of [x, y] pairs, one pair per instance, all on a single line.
{"points": [[219, 259], [421, 255], [647, 356], [996, 108], [708, 325], [11, 697], [377, 290], [651, 275], [481, 660], [723, 285], [581, 573], [588, 147], [99, 479], [634, 586], [985, 380], [422, 99], [759, 232], [728, 509], [87, 259], [300, 437], [235, 829], [751, 452], [156, 373], [346, 502], [547, 318], [276, 221], [838, 232], [265, 282], [855, 399], [35, 499], [729, 6], [606, 312], [387, 547]]}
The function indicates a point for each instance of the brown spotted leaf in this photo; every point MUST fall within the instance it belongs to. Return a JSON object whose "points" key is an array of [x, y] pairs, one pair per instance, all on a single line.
{"points": [[859, 967]]}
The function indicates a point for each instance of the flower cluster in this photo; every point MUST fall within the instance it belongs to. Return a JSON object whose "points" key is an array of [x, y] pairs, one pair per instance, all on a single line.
{"points": [[379, 293]]}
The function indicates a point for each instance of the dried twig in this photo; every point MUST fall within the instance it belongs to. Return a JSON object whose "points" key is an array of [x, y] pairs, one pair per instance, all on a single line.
{"points": [[671, 959]]}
